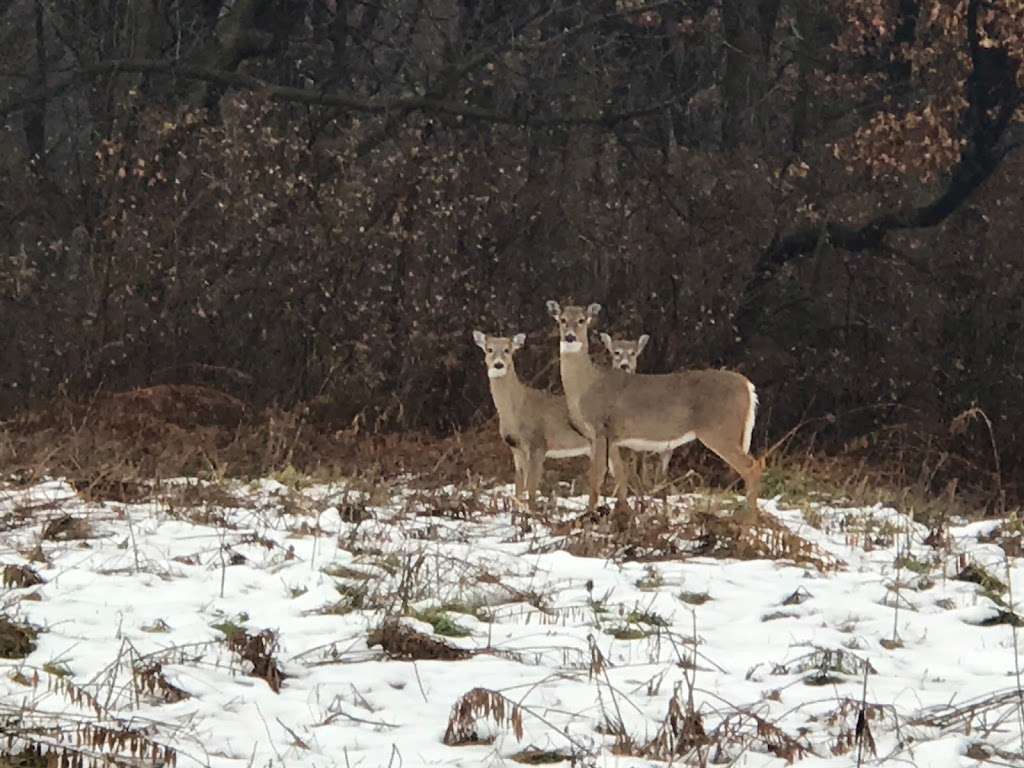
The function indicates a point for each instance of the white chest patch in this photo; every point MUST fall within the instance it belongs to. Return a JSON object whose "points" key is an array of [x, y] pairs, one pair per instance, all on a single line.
{"points": [[570, 346], [496, 373], [567, 453], [656, 446]]}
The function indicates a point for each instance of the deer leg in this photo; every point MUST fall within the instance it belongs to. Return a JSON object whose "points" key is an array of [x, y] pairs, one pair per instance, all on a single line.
{"points": [[598, 468], [749, 468], [534, 470], [666, 459], [517, 459], [620, 471]]}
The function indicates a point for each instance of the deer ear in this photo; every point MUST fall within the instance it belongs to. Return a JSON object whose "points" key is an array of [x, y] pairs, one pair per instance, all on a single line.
{"points": [[518, 340], [593, 310], [480, 339], [554, 309], [641, 343], [607, 341]]}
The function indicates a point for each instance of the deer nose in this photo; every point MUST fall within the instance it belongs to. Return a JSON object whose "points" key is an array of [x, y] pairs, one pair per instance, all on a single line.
{"points": [[499, 365], [624, 366], [570, 337]]}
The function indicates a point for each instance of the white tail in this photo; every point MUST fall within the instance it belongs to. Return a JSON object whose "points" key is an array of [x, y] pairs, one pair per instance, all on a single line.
{"points": [[748, 427], [653, 412]]}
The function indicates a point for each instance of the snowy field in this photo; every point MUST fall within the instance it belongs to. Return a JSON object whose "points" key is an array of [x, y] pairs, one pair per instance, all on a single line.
{"points": [[244, 625]]}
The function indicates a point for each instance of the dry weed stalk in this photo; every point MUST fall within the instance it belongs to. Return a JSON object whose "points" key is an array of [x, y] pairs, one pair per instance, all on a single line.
{"points": [[1016, 651], [82, 744], [681, 732], [852, 718], [983, 715], [733, 735], [959, 426], [72, 741]]}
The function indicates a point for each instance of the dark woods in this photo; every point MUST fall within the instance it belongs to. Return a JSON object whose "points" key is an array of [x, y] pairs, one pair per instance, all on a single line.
{"points": [[314, 201]]}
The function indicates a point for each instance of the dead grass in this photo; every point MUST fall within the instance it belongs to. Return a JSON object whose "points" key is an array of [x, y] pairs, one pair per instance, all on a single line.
{"points": [[400, 641], [115, 446], [16, 640], [660, 531], [258, 651], [20, 576]]}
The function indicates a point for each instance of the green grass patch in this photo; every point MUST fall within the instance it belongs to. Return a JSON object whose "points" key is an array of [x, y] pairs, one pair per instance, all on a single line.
{"points": [[441, 622], [628, 632], [231, 628], [57, 669]]}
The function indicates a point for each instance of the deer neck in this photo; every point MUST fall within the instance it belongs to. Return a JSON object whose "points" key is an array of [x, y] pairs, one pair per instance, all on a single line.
{"points": [[507, 392], [578, 373]]}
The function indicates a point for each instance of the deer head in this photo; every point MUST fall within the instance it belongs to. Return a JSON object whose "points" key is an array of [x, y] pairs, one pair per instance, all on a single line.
{"points": [[625, 352], [573, 325], [498, 352]]}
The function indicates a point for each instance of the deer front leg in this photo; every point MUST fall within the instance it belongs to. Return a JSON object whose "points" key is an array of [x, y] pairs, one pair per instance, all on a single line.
{"points": [[534, 471], [517, 459], [666, 459], [621, 472], [598, 469]]}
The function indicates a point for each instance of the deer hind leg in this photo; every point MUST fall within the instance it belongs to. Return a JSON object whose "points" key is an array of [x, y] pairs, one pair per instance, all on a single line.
{"points": [[598, 468], [749, 468]]}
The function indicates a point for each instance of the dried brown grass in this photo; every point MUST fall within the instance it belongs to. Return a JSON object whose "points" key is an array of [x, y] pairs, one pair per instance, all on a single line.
{"points": [[652, 531], [116, 445]]}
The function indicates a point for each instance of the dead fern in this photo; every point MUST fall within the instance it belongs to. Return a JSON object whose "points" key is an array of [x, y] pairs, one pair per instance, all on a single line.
{"points": [[16, 640], [681, 732], [81, 745], [21, 576], [851, 720], [481, 704], [655, 531], [400, 641], [258, 650], [149, 679], [67, 527]]}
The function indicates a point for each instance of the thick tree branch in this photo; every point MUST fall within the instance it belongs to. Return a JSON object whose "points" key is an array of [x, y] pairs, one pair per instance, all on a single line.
{"points": [[316, 97], [992, 98]]}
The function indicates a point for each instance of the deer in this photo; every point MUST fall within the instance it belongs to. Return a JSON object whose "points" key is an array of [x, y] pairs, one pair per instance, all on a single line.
{"points": [[533, 423], [624, 354], [652, 412]]}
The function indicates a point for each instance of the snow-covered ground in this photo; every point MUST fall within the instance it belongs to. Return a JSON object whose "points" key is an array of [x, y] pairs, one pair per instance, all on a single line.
{"points": [[135, 604]]}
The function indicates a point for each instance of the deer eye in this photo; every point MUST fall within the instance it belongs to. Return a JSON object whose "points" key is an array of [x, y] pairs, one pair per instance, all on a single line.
{"points": [[490, 350], [580, 321]]}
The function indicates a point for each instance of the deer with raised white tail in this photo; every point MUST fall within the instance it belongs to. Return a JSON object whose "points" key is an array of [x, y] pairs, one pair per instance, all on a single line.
{"points": [[648, 412], [624, 354], [533, 423]]}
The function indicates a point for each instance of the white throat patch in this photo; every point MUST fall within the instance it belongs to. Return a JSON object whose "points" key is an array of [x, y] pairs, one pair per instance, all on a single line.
{"points": [[570, 346], [496, 373]]}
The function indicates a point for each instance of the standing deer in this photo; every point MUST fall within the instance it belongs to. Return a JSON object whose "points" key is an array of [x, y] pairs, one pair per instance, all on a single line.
{"points": [[646, 412], [625, 353], [533, 423]]}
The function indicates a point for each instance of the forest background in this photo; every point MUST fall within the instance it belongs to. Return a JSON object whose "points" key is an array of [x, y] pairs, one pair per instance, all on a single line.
{"points": [[243, 233]]}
